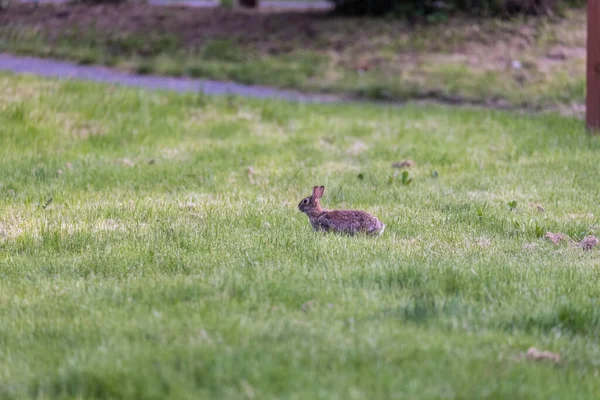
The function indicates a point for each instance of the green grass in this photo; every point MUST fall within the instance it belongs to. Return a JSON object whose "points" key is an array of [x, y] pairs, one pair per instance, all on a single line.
{"points": [[458, 60], [163, 268]]}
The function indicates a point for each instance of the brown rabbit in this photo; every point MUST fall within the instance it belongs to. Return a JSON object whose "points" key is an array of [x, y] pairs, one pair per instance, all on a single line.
{"points": [[346, 221]]}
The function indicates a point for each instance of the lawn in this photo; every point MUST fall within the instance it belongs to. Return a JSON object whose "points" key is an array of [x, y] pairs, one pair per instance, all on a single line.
{"points": [[151, 247], [523, 62]]}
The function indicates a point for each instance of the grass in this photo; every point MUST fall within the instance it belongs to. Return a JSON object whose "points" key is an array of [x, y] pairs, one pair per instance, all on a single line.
{"points": [[142, 257], [458, 60]]}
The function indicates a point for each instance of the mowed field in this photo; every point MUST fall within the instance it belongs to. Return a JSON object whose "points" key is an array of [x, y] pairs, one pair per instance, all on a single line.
{"points": [[151, 248]]}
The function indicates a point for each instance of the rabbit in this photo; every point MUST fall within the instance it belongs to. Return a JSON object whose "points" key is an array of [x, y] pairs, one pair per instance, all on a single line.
{"points": [[345, 221]]}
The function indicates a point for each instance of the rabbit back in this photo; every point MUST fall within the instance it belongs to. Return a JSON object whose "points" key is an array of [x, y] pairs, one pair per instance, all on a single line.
{"points": [[348, 221]]}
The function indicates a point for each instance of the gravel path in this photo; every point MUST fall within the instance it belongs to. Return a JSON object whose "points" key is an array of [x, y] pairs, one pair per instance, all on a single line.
{"points": [[66, 70]]}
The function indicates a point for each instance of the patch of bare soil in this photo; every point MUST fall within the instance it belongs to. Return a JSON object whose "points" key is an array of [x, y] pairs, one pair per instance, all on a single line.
{"points": [[364, 43], [191, 26]]}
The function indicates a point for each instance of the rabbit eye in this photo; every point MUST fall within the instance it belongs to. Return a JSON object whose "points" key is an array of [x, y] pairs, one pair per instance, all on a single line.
{"points": [[305, 201]]}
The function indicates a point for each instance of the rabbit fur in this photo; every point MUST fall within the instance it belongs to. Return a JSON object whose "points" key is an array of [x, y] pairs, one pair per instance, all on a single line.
{"points": [[345, 221]]}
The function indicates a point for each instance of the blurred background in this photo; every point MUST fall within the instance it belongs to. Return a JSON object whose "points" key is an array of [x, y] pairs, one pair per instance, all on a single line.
{"points": [[502, 53]]}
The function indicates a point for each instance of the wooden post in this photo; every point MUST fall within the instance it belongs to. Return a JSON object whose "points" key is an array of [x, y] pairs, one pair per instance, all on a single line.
{"points": [[593, 67]]}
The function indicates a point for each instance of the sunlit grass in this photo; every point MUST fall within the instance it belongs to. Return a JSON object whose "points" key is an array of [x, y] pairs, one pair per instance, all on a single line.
{"points": [[150, 247]]}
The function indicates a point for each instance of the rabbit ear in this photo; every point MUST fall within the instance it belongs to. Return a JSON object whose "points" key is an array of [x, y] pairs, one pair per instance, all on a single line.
{"points": [[320, 191], [314, 193]]}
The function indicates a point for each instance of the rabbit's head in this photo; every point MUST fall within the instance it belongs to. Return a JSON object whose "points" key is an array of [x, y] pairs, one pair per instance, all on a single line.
{"points": [[311, 204]]}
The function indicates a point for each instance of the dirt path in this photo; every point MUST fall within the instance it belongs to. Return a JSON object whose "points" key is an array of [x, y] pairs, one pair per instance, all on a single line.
{"points": [[66, 70], [290, 5]]}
